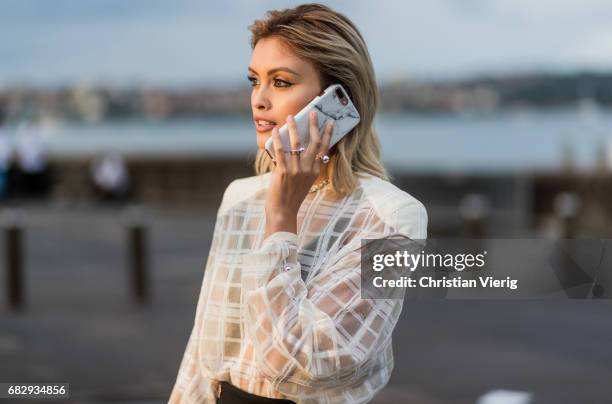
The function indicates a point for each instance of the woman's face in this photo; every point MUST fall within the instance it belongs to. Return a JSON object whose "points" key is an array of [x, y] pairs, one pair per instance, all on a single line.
{"points": [[282, 83]]}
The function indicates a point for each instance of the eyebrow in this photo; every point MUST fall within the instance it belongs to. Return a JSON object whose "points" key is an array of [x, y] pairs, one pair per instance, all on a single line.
{"points": [[282, 68]]}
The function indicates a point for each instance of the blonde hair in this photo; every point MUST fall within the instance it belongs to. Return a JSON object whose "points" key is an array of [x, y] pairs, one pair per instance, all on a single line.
{"points": [[334, 45]]}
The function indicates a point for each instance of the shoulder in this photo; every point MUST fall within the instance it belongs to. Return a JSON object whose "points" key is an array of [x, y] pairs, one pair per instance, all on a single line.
{"points": [[241, 189], [397, 207]]}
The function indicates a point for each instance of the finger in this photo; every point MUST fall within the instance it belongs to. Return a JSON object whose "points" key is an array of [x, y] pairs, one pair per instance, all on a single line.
{"points": [[315, 138], [294, 140], [293, 132], [279, 151], [327, 135]]}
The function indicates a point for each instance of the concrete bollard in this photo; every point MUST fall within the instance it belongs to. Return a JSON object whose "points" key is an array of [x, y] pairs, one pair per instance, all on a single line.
{"points": [[136, 227], [11, 220]]}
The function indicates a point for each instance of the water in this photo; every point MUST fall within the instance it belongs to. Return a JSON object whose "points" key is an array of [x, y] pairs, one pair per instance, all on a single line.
{"points": [[504, 141], [493, 142]]}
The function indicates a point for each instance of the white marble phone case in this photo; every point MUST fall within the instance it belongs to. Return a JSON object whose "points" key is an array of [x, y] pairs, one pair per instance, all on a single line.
{"points": [[328, 106]]}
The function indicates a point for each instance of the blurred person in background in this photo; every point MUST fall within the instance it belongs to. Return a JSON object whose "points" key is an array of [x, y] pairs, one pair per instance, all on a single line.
{"points": [[280, 316], [5, 159], [32, 161], [110, 177]]}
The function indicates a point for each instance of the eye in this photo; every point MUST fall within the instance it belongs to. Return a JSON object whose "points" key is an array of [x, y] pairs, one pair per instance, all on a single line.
{"points": [[252, 80], [285, 83]]}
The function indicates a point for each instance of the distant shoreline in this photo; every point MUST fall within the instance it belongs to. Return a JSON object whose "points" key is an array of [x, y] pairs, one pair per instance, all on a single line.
{"points": [[95, 102]]}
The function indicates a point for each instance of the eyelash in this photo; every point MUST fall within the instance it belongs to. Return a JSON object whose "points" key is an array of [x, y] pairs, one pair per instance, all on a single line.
{"points": [[252, 80]]}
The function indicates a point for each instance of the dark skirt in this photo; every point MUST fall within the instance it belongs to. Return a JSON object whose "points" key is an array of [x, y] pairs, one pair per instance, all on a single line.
{"points": [[231, 394]]}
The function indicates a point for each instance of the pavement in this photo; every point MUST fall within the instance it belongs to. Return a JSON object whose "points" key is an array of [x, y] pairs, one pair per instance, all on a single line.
{"points": [[81, 325]]}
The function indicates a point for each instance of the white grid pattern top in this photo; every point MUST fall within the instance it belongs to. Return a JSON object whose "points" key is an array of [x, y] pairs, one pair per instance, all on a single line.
{"points": [[283, 317]]}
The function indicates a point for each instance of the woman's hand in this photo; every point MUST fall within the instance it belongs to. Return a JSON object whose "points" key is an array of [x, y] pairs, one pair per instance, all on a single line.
{"points": [[290, 185]]}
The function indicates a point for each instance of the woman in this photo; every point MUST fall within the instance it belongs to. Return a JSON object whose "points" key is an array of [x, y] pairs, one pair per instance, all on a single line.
{"points": [[280, 316]]}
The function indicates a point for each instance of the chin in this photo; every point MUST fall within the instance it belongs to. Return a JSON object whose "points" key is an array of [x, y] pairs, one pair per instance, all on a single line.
{"points": [[261, 140]]}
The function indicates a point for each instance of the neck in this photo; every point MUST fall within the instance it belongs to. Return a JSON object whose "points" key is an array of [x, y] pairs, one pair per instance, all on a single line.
{"points": [[322, 176]]}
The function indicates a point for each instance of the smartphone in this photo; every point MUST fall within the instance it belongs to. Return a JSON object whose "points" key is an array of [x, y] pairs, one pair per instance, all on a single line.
{"points": [[335, 104]]}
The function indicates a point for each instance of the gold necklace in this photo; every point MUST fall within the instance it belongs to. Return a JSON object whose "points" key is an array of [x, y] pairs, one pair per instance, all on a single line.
{"points": [[319, 186]]}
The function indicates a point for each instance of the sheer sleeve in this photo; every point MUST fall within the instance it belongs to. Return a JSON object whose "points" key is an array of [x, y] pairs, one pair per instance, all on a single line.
{"points": [[321, 333], [190, 385]]}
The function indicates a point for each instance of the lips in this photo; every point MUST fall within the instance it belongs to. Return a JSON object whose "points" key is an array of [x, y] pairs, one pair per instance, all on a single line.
{"points": [[263, 125]]}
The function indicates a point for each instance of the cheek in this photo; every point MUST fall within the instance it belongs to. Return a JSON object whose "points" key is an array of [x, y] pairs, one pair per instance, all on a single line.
{"points": [[295, 103]]}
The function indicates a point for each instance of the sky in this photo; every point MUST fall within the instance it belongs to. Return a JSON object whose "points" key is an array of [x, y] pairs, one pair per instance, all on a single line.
{"points": [[186, 42]]}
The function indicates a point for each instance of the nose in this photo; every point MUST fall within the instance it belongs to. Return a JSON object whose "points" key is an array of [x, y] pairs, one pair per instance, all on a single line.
{"points": [[260, 100]]}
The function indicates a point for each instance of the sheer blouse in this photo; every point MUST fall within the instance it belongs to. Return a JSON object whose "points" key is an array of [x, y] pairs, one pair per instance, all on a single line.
{"points": [[283, 317]]}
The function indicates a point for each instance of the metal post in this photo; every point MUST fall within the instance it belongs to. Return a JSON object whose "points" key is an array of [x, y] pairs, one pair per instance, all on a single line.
{"points": [[11, 222], [137, 250]]}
